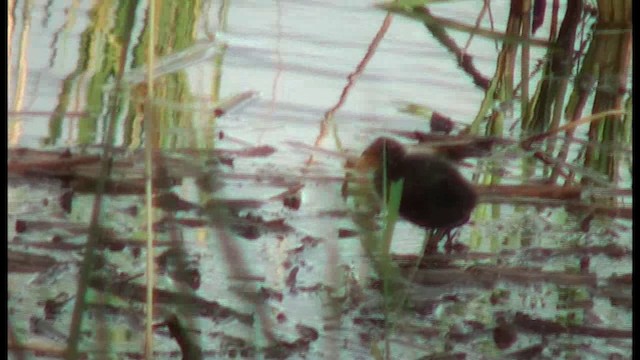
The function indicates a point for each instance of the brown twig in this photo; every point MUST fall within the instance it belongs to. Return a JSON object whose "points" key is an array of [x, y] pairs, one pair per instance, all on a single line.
{"points": [[328, 121]]}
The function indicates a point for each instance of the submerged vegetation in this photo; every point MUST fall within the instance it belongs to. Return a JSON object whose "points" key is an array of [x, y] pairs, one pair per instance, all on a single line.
{"points": [[233, 266]]}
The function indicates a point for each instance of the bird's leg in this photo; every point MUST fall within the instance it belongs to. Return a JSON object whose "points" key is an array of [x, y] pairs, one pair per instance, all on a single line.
{"points": [[432, 239], [448, 245]]}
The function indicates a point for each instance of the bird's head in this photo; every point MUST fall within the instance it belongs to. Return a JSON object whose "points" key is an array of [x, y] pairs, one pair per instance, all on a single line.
{"points": [[383, 148]]}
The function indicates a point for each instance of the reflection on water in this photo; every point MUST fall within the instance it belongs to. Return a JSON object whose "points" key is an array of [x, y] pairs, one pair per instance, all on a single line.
{"points": [[253, 80]]}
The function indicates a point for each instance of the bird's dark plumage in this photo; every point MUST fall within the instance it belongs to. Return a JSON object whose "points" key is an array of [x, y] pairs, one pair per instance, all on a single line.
{"points": [[434, 193]]}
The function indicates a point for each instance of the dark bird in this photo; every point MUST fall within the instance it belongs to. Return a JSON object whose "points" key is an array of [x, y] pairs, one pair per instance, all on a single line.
{"points": [[434, 193]]}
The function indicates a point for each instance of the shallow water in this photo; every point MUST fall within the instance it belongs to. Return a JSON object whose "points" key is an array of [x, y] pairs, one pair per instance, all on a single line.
{"points": [[297, 55]]}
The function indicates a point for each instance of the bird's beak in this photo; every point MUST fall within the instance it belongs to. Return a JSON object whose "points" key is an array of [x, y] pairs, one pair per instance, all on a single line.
{"points": [[366, 162]]}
